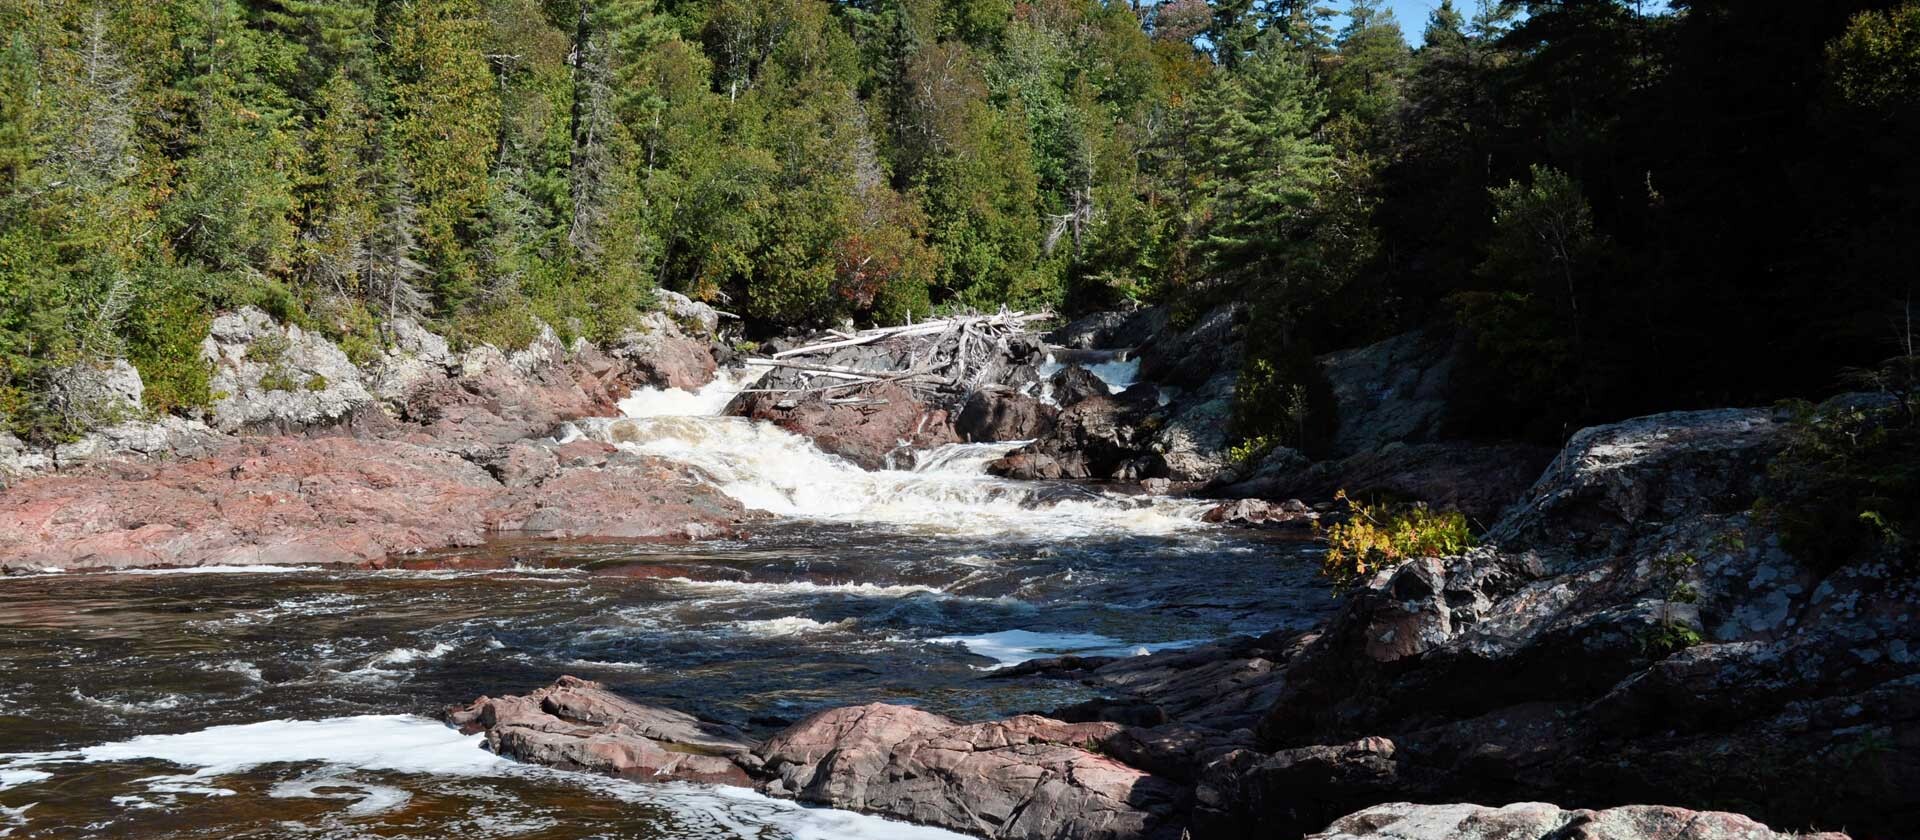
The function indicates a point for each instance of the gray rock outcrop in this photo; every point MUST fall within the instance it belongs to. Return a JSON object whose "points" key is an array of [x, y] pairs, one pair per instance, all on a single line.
{"points": [[270, 376]]}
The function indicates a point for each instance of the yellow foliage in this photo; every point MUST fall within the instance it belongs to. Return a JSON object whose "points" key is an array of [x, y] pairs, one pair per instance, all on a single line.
{"points": [[1376, 536]]}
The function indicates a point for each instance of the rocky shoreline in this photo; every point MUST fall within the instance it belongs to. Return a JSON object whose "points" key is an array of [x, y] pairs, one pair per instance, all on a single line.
{"points": [[1542, 666], [1521, 671], [420, 449]]}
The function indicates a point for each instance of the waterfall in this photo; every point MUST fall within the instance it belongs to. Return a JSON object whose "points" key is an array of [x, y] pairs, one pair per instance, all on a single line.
{"points": [[948, 491]]}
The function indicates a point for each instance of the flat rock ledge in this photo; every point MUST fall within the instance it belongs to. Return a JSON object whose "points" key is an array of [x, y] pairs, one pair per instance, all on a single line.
{"points": [[1026, 777]]}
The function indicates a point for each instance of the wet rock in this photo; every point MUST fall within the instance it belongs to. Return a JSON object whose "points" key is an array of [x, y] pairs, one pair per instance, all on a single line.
{"points": [[1254, 513], [626, 498], [997, 414], [871, 433], [1395, 391], [1541, 821], [283, 501], [1098, 437], [1026, 777], [1073, 383], [578, 725]]}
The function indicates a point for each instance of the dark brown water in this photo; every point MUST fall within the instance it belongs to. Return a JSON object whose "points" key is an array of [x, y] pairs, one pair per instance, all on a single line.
{"points": [[303, 704]]}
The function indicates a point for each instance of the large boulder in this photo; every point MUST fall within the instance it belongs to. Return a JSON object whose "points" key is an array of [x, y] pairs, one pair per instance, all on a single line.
{"points": [[1191, 443], [93, 395], [997, 414], [1541, 821], [1613, 482], [1074, 383], [272, 377], [1098, 437], [875, 428], [579, 725], [1631, 608], [1026, 777]]}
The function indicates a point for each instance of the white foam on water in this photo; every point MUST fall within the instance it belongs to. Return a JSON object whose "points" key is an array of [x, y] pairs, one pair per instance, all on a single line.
{"points": [[1117, 374], [786, 626], [708, 401], [1012, 647], [415, 745], [947, 492], [797, 587], [131, 707], [367, 798], [256, 569], [402, 656], [10, 778]]}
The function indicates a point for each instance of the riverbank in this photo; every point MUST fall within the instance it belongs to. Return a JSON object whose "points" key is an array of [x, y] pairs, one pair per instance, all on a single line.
{"points": [[1533, 669]]}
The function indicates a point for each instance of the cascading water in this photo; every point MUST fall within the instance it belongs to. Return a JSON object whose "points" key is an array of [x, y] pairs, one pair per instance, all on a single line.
{"points": [[947, 491], [304, 703]]}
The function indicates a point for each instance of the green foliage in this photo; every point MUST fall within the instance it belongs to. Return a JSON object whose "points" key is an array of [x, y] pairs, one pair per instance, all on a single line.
{"points": [[1847, 487], [1876, 62], [1374, 537], [165, 327], [1670, 635]]}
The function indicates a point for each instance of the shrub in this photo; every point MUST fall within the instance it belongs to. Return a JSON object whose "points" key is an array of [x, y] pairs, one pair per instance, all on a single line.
{"points": [[1668, 634], [1847, 486], [1374, 537], [1285, 398], [164, 330]]}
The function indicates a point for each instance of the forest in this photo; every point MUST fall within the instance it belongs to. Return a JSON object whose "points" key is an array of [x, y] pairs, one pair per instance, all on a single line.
{"points": [[1621, 209]]}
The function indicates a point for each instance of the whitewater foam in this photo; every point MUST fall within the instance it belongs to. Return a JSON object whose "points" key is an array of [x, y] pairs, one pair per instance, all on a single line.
{"points": [[415, 745], [1012, 647], [256, 569]]}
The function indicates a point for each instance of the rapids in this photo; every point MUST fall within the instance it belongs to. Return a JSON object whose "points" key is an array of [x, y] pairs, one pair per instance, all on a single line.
{"points": [[233, 702]]}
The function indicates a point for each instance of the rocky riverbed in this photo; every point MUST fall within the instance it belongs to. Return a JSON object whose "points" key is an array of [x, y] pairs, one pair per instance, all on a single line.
{"points": [[652, 597]]}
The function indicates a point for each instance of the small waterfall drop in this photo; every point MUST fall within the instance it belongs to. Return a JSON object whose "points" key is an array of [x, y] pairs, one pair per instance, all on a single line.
{"points": [[947, 491]]}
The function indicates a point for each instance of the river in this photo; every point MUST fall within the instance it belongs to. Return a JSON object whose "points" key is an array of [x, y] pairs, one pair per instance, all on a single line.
{"points": [[247, 702]]}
